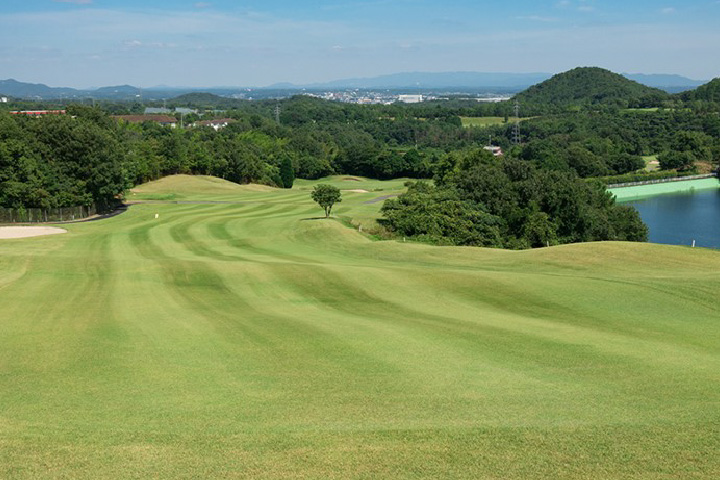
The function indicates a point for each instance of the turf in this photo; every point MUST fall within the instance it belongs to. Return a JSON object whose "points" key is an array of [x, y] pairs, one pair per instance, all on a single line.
{"points": [[253, 340], [486, 121]]}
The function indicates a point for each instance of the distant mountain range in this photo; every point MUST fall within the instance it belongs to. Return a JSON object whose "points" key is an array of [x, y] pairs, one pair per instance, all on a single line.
{"points": [[422, 81]]}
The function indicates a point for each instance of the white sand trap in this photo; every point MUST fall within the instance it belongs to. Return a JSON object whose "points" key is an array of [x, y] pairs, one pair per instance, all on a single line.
{"points": [[32, 231], [358, 190]]}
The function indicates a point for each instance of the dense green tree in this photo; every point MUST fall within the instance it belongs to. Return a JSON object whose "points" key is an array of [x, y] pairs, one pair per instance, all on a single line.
{"points": [[676, 160], [439, 215], [326, 196], [287, 173], [509, 203]]}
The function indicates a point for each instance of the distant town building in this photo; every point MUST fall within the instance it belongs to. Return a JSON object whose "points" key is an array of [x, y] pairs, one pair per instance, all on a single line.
{"points": [[217, 124], [492, 99], [410, 98], [185, 111], [3, 99], [166, 120]]}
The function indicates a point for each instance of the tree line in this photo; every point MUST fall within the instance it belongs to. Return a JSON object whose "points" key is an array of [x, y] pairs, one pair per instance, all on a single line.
{"points": [[509, 203], [87, 157]]}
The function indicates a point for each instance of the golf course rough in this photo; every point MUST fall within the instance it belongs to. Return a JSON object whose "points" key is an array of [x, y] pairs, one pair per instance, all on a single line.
{"points": [[254, 340]]}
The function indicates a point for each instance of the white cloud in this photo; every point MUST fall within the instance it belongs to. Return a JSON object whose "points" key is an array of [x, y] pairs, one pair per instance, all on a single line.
{"points": [[669, 10]]}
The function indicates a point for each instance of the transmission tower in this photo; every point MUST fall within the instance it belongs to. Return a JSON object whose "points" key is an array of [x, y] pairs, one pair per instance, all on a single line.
{"points": [[277, 113], [516, 127]]}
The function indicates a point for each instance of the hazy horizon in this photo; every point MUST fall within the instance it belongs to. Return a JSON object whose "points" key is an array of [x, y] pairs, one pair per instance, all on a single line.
{"points": [[322, 84]]}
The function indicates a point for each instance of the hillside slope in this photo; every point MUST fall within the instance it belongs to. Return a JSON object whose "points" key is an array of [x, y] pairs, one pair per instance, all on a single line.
{"points": [[710, 92], [591, 86]]}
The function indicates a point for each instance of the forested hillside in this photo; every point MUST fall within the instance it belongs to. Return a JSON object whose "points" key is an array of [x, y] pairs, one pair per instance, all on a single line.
{"points": [[591, 86], [710, 93]]}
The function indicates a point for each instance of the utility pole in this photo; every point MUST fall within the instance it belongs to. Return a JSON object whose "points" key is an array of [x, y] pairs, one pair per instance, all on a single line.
{"points": [[516, 127], [277, 113]]}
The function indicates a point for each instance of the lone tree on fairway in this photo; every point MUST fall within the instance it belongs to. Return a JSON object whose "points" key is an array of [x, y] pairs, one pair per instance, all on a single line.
{"points": [[326, 196]]}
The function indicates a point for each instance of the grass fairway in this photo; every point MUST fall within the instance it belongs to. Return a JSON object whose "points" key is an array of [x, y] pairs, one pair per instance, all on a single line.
{"points": [[251, 340]]}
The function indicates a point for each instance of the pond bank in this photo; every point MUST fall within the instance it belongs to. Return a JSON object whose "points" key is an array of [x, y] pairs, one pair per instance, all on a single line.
{"points": [[625, 194]]}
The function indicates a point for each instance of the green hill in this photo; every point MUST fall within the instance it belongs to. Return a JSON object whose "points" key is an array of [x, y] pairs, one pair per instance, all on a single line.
{"points": [[199, 99], [592, 86], [710, 92]]}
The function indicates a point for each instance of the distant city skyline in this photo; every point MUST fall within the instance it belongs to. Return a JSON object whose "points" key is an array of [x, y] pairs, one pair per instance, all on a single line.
{"points": [[87, 43]]}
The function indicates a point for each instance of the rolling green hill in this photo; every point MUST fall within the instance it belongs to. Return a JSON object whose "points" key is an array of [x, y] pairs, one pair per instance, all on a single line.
{"points": [[199, 99], [710, 92], [249, 339], [591, 86]]}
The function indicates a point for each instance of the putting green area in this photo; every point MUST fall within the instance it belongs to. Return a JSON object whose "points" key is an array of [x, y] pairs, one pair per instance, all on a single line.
{"points": [[250, 338]]}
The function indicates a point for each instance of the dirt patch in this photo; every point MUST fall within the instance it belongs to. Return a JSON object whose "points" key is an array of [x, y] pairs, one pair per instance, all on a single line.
{"points": [[357, 190], [350, 179], [28, 231]]}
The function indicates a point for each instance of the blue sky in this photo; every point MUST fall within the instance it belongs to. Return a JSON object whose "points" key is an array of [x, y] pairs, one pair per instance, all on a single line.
{"points": [[83, 43]]}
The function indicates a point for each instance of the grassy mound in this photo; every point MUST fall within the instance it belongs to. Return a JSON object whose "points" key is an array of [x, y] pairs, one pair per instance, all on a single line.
{"points": [[252, 340], [191, 186]]}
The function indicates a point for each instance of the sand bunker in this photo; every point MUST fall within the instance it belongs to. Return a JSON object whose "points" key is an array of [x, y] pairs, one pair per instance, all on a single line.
{"points": [[32, 231], [358, 190]]}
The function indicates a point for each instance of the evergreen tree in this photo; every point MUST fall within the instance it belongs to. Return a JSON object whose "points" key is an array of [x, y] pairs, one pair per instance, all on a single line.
{"points": [[287, 173]]}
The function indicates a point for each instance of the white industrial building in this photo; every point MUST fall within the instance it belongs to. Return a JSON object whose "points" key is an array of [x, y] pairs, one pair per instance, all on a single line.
{"points": [[410, 98]]}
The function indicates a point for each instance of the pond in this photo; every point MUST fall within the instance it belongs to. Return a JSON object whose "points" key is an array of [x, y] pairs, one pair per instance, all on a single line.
{"points": [[683, 217]]}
